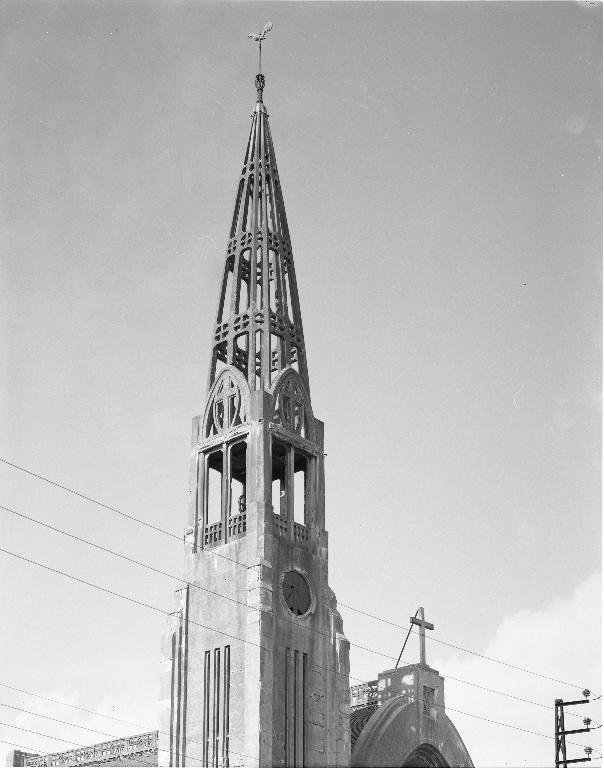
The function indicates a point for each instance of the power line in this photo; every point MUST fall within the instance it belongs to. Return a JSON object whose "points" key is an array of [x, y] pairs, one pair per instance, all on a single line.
{"points": [[56, 720], [420, 700], [94, 730], [270, 650], [41, 753], [71, 706], [342, 605], [240, 602], [45, 735], [93, 501], [460, 648], [134, 519], [125, 597], [29, 750]]}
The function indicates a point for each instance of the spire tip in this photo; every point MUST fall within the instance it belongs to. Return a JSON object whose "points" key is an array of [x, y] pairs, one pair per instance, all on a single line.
{"points": [[258, 37]]}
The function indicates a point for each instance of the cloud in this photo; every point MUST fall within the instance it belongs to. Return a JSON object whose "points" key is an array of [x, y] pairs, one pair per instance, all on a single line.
{"points": [[561, 640]]}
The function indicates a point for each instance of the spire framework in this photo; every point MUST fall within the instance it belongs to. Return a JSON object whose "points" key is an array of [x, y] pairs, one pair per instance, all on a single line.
{"points": [[258, 322]]}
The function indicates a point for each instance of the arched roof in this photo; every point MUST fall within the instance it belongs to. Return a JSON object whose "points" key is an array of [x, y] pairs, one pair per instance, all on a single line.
{"points": [[358, 720], [393, 735]]}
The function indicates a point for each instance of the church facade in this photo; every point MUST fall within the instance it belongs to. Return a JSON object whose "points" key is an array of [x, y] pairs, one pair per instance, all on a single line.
{"points": [[254, 662]]}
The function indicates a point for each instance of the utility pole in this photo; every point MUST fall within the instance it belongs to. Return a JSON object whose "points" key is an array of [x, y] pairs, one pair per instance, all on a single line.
{"points": [[560, 733]]}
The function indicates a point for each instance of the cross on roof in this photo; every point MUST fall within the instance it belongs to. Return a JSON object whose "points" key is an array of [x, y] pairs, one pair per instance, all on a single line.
{"points": [[423, 626]]}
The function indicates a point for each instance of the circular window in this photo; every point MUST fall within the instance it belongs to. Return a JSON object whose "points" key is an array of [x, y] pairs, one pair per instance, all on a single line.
{"points": [[296, 593]]}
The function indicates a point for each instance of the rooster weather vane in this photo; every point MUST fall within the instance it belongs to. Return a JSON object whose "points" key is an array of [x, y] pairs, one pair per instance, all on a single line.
{"points": [[258, 37]]}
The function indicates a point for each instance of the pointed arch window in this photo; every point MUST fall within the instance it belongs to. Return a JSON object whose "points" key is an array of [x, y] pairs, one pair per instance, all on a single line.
{"points": [[226, 409], [290, 408]]}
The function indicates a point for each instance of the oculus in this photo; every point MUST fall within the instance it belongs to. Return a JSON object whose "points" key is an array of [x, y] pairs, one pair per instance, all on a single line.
{"points": [[296, 592]]}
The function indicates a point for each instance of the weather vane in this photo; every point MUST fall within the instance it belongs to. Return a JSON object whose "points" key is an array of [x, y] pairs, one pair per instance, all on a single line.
{"points": [[258, 37]]}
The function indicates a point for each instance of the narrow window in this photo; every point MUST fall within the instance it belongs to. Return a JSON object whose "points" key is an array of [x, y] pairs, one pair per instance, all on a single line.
{"points": [[274, 288], [226, 697], [279, 492], [300, 487], [304, 713], [259, 282], [299, 421], [288, 296], [258, 363], [244, 276], [214, 486], [227, 289], [270, 210], [286, 409], [216, 709], [247, 212], [218, 360], [428, 700], [238, 478], [295, 357], [295, 713], [276, 355], [206, 708], [286, 708], [237, 209], [241, 356]]}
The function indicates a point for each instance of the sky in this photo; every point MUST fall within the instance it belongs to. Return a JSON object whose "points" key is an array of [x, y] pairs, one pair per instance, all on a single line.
{"points": [[441, 168]]}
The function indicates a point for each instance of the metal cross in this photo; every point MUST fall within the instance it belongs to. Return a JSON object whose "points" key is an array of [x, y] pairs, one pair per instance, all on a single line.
{"points": [[423, 626]]}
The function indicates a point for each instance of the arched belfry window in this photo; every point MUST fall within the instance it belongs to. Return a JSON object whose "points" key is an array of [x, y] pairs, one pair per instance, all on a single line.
{"points": [[226, 408], [292, 408], [223, 492]]}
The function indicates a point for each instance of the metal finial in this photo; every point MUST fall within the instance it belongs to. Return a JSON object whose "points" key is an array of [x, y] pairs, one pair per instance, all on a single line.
{"points": [[258, 37]]}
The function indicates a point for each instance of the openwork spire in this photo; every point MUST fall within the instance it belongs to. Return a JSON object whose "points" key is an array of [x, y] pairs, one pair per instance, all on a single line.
{"points": [[258, 323]]}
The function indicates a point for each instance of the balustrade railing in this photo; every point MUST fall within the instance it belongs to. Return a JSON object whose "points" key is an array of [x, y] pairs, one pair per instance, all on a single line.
{"points": [[212, 533], [237, 525], [300, 532], [363, 694], [96, 753], [280, 525]]}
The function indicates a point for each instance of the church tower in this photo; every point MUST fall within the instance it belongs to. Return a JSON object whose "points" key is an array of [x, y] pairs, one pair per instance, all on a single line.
{"points": [[255, 663]]}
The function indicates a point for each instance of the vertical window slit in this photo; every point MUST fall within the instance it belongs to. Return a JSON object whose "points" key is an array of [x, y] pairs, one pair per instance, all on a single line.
{"points": [[244, 276], [295, 712], [226, 705], [273, 284], [227, 292], [300, 487], [304, 699], [173, 696], [249, 204], [177, 760], [206, 708], [260, 298], [276, 362], [238, 478], [241, 362], [278, 487], [286, 699], [258, 362], [237, 209], [288, 297], [216, 709], [214, 488]]}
